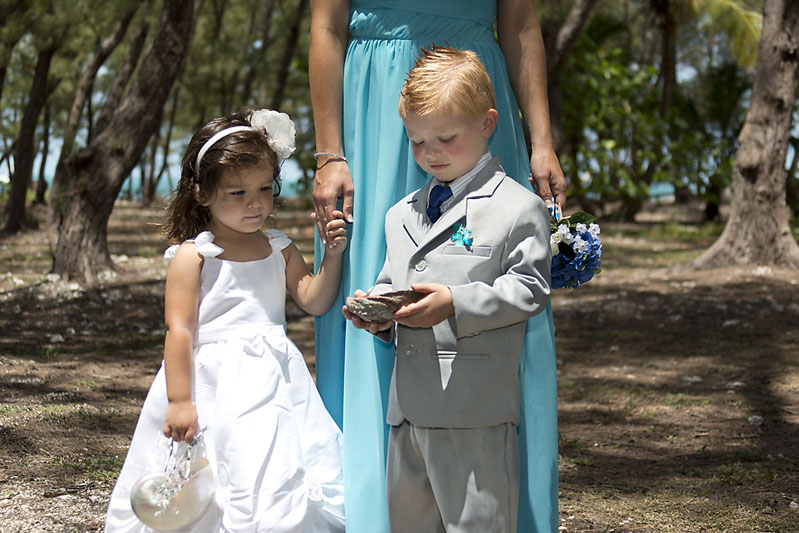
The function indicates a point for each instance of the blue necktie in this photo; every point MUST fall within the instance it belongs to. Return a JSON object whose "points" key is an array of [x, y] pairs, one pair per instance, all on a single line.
{"points": [[438, 195]]}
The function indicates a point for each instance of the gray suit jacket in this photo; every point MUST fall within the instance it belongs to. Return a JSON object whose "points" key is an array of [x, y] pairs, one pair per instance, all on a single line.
{"points": [[463, 372]]}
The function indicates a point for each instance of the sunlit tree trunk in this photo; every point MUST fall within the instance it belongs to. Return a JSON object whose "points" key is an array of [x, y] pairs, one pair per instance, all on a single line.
{"points": [[757, 231], [99, 170]]}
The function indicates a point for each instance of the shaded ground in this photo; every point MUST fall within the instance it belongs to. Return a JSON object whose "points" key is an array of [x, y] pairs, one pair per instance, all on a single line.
{"points": [[679, 390]]}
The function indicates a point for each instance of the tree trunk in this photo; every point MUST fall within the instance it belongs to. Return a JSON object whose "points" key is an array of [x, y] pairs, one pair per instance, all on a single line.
{"points": [[121, 80], [12, 33], [260, 59], [41, 185], [757, 231], [100, 169], [668, 57], [148, 196], [567, 37], [5, 59], [82, 93], [15, 218], [792, 183], [288, 53]]}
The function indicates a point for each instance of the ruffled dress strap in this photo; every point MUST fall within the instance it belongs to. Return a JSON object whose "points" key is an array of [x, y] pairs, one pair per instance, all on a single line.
{"points": [[277, 238], [205, 246]]}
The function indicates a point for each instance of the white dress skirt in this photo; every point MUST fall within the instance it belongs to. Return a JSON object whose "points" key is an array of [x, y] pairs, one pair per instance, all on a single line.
{"points": [[274, 449]]}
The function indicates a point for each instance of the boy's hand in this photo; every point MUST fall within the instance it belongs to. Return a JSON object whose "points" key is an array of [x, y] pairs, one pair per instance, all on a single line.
{"points": [[359, 323], [430, 310], [180, 422], [335, 232]]}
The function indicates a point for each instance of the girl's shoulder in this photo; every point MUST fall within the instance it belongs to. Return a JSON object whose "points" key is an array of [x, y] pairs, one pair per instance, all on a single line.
{"points": [[277, 239], [203, 244]]}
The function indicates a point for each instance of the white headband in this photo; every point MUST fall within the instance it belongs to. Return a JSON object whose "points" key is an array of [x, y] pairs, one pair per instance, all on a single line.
{"points": [[278, 127], [213, 140]]}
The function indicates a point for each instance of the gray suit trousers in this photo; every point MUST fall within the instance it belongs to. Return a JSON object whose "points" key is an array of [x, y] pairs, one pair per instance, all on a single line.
{"points": [[453, 480]]}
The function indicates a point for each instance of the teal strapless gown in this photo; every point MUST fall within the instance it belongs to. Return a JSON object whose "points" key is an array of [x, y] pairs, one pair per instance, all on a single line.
{"points": [[353, 369]]}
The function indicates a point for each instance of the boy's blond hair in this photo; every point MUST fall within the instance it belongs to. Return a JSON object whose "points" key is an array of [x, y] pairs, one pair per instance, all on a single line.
{"points": [[446, 79]]}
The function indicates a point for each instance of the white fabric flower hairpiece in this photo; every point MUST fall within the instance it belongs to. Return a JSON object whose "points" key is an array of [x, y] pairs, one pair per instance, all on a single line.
{"points": [[279, 130], [277, 126]]}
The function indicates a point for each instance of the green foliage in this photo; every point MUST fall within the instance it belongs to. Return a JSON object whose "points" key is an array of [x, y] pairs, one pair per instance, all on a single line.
{"points": [[740, 20], [581, 217], [619, 139], [611, 121]]}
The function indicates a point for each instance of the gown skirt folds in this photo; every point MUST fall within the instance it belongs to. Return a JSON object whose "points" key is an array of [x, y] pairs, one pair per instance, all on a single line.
{"points": [[274, 449], [353, 368]]}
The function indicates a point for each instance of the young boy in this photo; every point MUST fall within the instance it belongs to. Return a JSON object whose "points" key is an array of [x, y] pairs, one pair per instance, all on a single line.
{"points": [[477, 243]]}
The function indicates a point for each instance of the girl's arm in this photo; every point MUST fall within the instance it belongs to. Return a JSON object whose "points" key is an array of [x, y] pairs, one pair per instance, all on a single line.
{"points": [[520, 38], [315, 294], [182, 300], [329, 34]]}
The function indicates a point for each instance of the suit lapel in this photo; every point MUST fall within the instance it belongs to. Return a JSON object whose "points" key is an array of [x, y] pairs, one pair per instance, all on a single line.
{"points": [[482, 185], [414, 218]]}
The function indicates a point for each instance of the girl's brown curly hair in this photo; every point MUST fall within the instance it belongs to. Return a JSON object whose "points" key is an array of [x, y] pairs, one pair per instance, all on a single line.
{"points": [[237, 151]]}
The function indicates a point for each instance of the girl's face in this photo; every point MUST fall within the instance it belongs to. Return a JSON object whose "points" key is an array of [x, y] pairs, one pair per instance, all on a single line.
{"points": [[242, 200], [447, 145]]}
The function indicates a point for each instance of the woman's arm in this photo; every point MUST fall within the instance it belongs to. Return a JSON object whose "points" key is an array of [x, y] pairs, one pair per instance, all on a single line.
{"points": [[521, 42], [329, 33], [315, 294], [181, 303]]}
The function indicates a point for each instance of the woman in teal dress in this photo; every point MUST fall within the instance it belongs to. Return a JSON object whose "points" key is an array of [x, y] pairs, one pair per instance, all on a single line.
{"points": [[360, 54]]}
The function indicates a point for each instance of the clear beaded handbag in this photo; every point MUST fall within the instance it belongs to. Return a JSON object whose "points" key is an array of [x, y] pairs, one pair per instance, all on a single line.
{"points": [[175, 498]]}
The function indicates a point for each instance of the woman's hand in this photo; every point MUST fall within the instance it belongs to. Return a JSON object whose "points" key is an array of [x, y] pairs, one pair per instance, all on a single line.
{"points": [[332, 181], [180, 422], [547, 178]]}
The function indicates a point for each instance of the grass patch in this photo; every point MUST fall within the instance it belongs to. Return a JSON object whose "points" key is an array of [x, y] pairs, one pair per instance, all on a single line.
{"points": [[96, 468], [131, 343], [742, 474]]}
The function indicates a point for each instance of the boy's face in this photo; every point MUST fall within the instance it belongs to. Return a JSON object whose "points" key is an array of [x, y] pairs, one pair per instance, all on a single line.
{"points": [[447, 145]]}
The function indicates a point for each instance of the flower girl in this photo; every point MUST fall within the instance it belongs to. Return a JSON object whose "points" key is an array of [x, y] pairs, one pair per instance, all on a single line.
{"points": [[230, 372]]}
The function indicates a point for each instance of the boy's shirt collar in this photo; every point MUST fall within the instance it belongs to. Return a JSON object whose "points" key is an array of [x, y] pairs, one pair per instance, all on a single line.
{"points": [[459, 184]]}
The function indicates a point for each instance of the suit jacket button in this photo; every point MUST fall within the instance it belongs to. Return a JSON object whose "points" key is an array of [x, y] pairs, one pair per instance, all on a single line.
{"points": [[421, 265]]}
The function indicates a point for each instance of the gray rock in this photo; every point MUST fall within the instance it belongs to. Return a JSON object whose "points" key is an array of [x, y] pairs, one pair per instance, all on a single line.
{"points": [[381, 308]]}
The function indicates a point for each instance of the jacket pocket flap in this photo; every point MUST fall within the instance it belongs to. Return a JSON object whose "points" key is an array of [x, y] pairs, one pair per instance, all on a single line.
{"points": [[474, 251]]}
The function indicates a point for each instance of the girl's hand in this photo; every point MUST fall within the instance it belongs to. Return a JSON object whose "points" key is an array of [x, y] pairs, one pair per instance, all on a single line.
{"points": [[181, 421], [359, 323], [430, 310], [336, 231]]}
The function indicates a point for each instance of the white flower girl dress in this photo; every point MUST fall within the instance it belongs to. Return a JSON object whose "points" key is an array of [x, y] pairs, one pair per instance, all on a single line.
{"points": [[274, 449]]}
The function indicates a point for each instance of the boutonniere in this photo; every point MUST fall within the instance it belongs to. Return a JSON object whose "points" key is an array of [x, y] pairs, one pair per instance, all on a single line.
{"points": [[462, 236]]}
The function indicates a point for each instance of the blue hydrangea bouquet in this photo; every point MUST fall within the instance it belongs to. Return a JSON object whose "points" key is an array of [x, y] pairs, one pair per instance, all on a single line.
{"points": [[576, 249]]}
